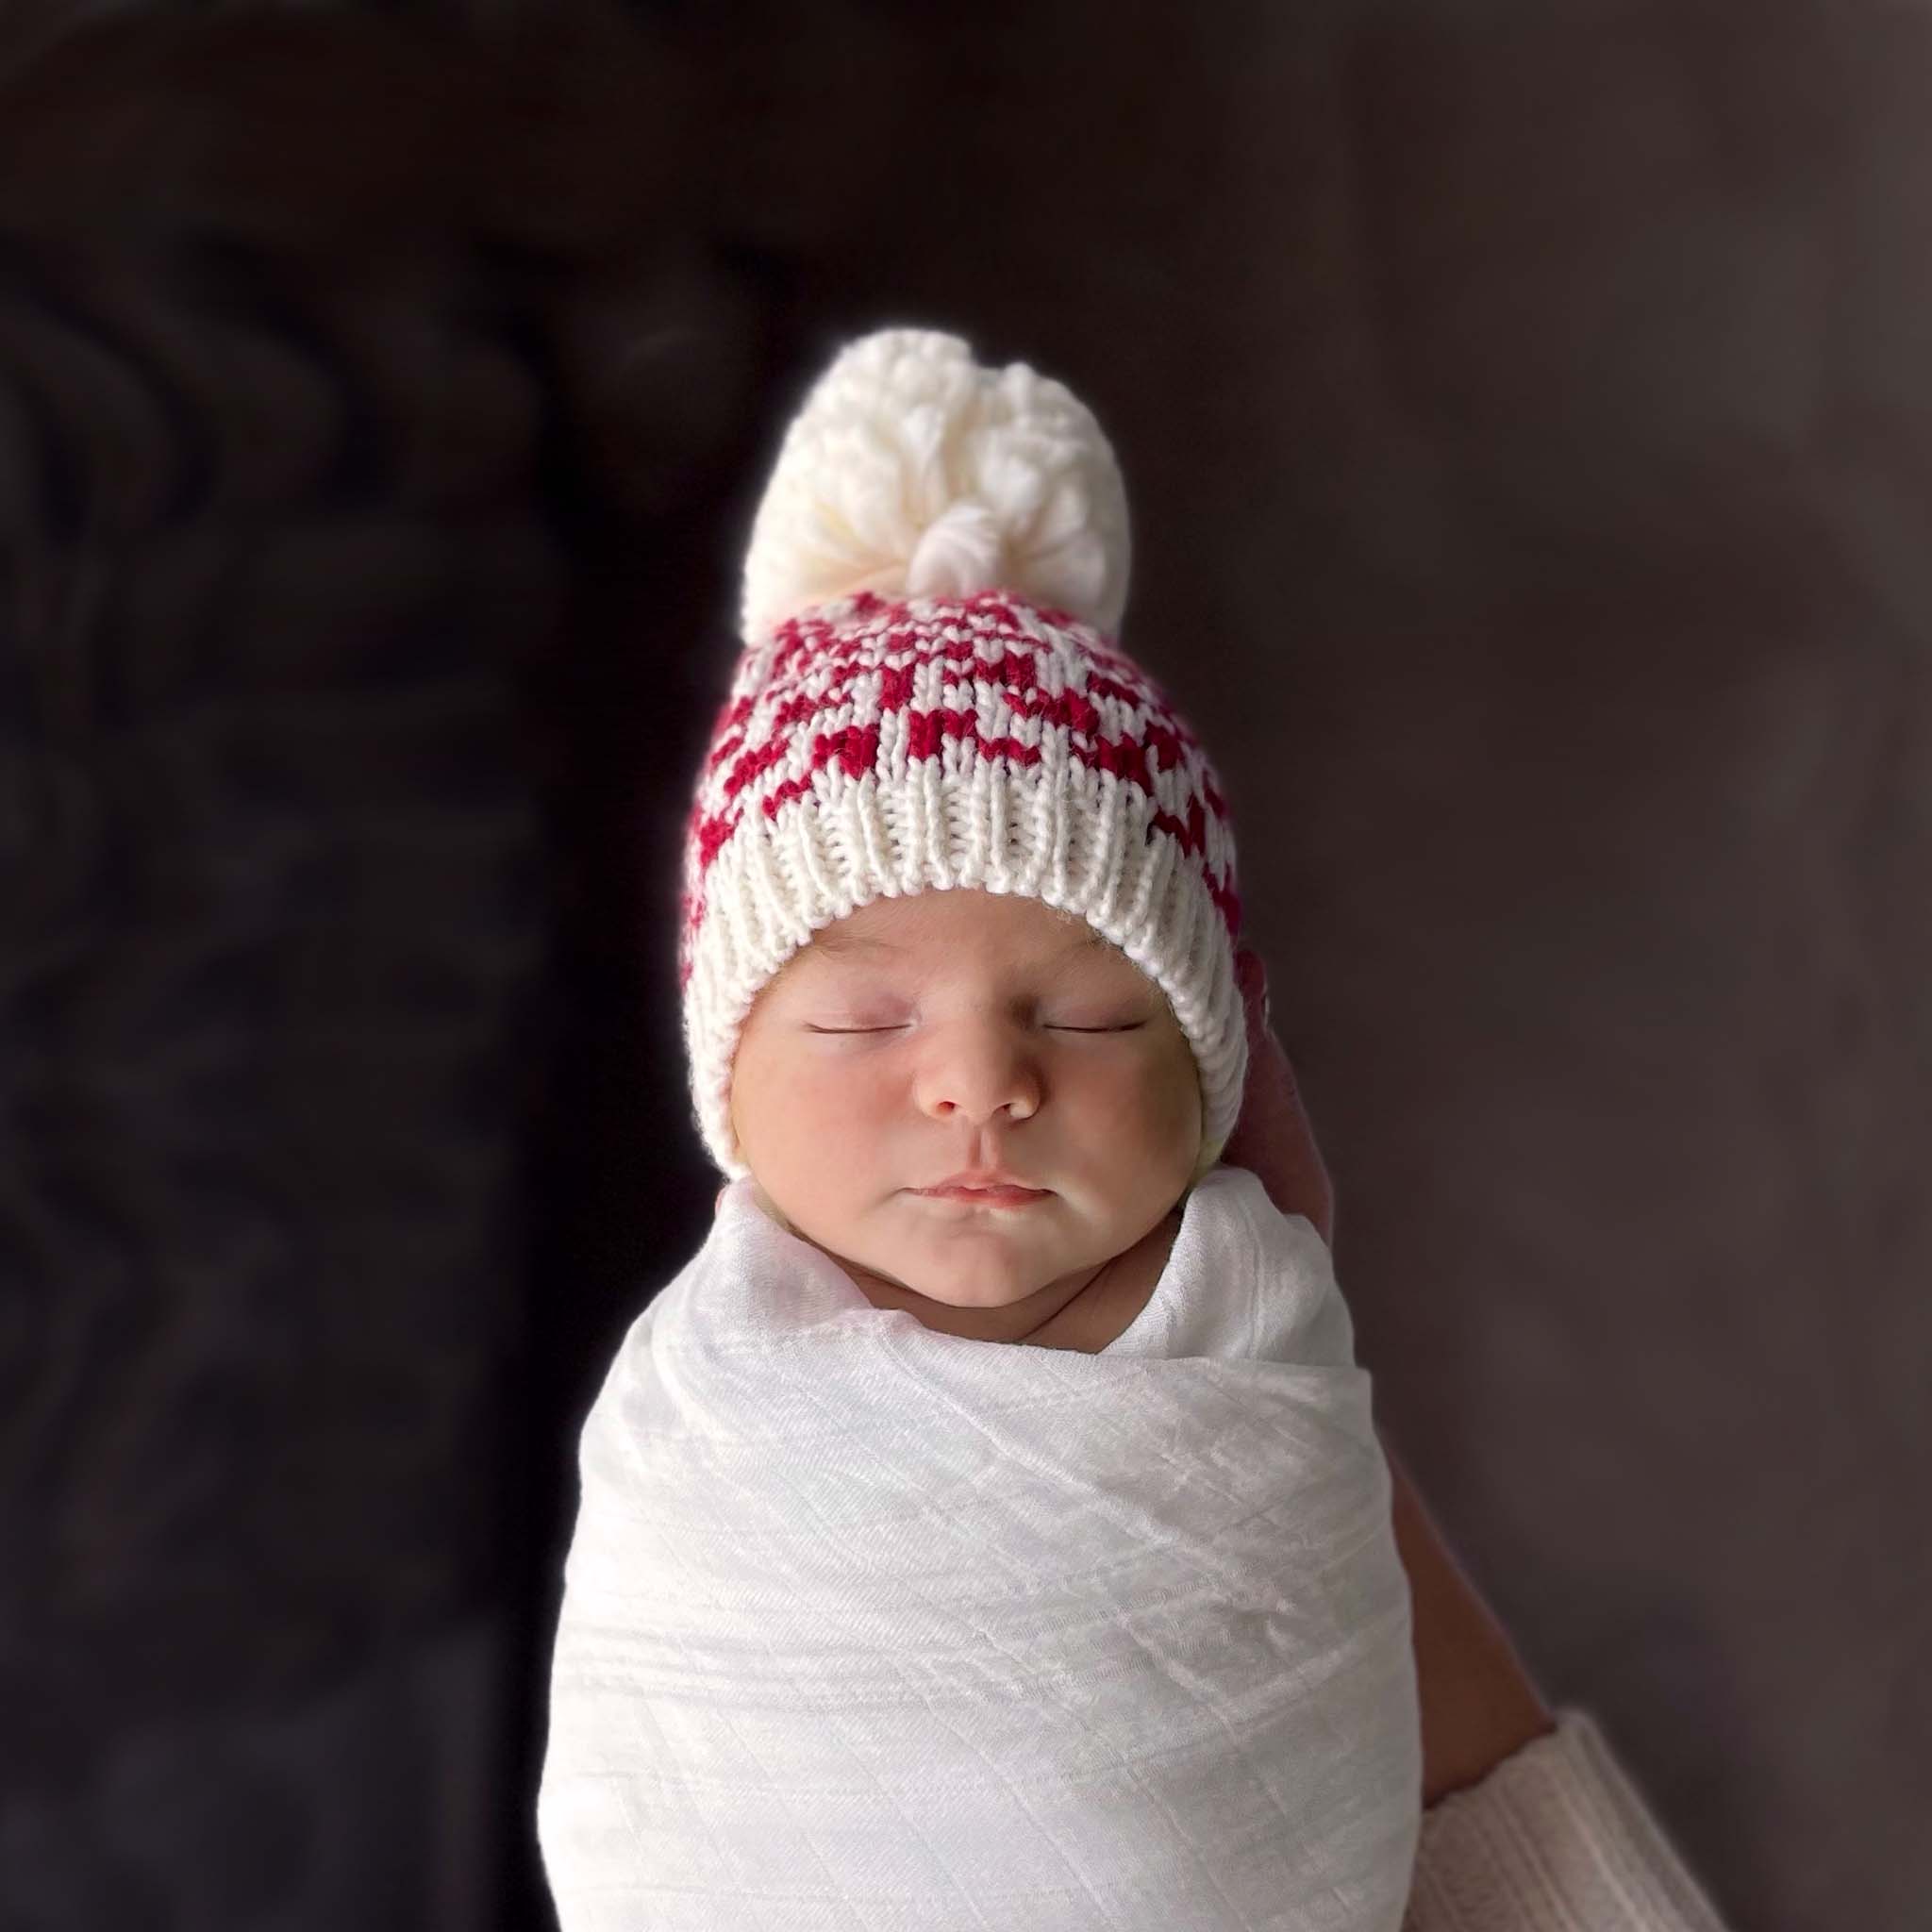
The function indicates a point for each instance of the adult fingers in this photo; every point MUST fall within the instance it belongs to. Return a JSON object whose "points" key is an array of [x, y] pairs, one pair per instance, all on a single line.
{"points": [[1273, 1139]]}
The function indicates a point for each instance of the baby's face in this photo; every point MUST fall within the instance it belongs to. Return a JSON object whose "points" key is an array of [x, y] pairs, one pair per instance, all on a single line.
{"points": [[961, 1029]]}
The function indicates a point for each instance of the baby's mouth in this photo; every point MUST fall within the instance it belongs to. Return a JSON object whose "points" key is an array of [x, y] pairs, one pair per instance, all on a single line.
{"points": [[995, 1196]]}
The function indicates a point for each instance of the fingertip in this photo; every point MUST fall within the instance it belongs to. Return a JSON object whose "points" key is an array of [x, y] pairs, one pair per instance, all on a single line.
{"points": [[1250, 975]]}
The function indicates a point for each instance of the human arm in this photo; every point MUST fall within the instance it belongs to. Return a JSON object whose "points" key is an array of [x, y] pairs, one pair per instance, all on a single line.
{"points": [[1529, 1822], [1478, 1705]]}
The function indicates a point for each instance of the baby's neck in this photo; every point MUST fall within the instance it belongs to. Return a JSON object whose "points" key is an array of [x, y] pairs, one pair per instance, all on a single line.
{"points": [[1098, 1310], [1108, 1305]]}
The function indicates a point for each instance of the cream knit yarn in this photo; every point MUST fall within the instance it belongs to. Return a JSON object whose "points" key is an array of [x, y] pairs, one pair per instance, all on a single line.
{"points": [[930, 698]]}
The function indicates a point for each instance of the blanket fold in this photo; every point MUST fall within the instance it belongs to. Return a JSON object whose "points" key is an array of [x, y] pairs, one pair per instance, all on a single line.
{"points": [[869, 1628]]}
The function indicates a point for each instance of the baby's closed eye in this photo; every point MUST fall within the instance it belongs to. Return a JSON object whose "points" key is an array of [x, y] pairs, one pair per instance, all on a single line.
{"points": [[1051, 1026]]}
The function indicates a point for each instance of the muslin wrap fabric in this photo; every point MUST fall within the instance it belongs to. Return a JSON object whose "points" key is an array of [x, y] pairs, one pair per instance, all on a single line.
{"points": [[870, 1628]]}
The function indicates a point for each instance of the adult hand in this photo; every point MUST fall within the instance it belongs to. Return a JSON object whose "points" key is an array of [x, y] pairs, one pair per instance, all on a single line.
{"points": [[1478, 1703], [1273, 1139]]}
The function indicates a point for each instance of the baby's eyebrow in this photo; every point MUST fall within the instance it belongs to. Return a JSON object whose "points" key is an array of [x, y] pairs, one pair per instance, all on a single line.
{"points": [[851, 942], [856, 942]]}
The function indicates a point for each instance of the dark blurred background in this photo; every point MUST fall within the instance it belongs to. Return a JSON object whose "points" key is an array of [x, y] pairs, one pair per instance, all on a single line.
{"points": [[1527, 412]]}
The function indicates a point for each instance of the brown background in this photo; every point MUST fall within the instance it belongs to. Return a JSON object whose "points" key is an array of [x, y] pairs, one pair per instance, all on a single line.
{"points": [[1527, 416]]}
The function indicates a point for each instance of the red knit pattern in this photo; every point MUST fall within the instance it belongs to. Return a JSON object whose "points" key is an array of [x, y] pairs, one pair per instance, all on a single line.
{"points": [[808, 645]]}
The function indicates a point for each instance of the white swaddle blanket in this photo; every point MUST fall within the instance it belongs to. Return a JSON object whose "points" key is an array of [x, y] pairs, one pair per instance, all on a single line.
{"points": [[869, 1628]]}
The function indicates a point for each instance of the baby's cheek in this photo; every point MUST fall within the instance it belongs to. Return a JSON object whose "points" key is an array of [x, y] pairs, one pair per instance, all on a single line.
{"points": [[839, 1104], [1168, 1107], [1136, 1108]]}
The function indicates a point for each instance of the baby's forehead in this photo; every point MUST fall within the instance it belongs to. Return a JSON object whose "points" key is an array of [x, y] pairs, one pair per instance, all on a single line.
{"points": [[933, 927]]}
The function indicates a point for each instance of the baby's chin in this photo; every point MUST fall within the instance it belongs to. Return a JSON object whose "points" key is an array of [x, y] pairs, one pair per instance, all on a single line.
{"points": [[988, 1267], [985, 1280]]}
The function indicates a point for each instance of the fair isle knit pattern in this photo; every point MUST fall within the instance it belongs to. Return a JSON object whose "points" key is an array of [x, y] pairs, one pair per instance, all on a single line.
{"points": [[875, 747]]}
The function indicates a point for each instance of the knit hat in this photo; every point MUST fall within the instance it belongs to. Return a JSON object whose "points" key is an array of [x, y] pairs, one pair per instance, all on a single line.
{"points": [[931, 696]]}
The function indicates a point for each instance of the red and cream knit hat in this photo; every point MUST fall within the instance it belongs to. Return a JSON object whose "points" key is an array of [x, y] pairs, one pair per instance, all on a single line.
{"points": [[930, 696]]}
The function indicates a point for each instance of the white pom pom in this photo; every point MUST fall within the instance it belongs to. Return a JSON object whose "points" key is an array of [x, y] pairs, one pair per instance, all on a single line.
{"points": [[912, 472]]}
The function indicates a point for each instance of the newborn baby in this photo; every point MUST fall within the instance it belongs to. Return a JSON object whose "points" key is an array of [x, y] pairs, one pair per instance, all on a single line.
{"points": [[986, 1527], [957, 1033]]}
